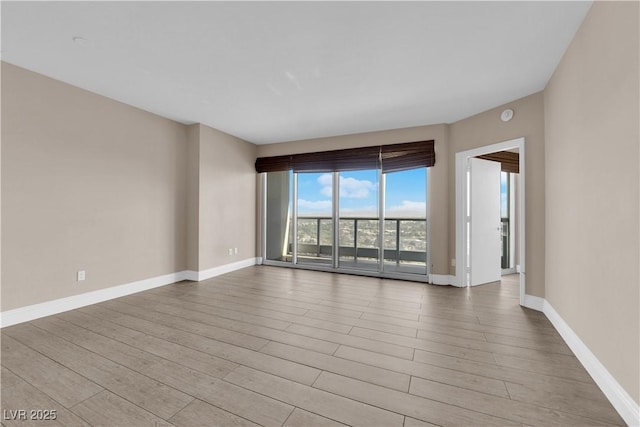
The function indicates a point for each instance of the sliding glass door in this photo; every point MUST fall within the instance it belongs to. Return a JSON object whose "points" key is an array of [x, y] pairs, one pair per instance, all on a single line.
{"points": [[314, 222], [278, 215], [359, 220], [355, 221], [405, 231]]}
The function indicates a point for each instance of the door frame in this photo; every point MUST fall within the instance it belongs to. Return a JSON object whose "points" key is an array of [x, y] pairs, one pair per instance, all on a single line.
{"points": [[461, 161]]}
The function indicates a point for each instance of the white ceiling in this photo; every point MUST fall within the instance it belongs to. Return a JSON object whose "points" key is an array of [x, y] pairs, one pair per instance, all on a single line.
{"points": [[278, 71]]}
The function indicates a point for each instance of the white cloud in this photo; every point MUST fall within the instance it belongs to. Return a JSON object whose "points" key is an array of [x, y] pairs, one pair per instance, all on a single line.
{"points": [[407, 209], [355, 188], [320, 205], [326, 180], [351, 188], [314, 208]]}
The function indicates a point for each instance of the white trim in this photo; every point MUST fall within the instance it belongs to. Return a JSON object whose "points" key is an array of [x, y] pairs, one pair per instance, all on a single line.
{"points": [[190, 275], [628, 409], [335, 220], [461, 206], [382, 219], [442, 279], [227, 268], [533, 302], [428, 221], [461, 203], [36, 311], [294, 220], [263, 214]]}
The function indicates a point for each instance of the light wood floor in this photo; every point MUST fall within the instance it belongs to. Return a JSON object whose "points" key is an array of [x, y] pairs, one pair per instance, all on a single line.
{"points": [[273, 346]]}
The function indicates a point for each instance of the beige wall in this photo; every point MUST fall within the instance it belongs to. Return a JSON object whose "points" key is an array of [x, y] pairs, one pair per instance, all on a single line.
{"points": [[91, 184], [592, 197], [485, 129], [438, 175], [87, 184], [227, 198]]}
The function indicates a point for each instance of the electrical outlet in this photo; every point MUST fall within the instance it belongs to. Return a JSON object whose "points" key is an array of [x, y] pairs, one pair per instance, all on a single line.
{"points": [[235, 251], [81, 275], [453, 262], [230, 251]]}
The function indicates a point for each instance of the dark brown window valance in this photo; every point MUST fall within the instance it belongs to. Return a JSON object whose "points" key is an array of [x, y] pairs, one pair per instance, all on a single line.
{"points": [[337, 160], [273, 164], [390, 158], [510, 161], [397, 157]]}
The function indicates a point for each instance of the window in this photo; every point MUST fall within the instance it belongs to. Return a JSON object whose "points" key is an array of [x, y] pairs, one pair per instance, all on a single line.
{"points": [[362, 209]]}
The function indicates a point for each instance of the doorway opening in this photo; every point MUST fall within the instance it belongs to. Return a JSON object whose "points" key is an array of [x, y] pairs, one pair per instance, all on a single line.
{"points": [[508, 222], [487, 245]]}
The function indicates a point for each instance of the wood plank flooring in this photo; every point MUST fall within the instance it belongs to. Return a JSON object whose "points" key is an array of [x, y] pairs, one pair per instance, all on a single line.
{"points": [[280, 347]]}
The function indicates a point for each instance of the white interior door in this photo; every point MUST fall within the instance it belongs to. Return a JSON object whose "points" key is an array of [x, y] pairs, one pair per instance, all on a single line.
{"points": [[484, 216]]}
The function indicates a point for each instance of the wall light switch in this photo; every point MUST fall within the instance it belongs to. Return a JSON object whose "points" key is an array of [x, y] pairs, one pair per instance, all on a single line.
{"points": [[230, 251], [235, 251], [81, 275], [453, 262]]}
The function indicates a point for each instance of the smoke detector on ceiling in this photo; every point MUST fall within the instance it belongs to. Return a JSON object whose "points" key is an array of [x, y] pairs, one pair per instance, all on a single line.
{"points": [[506, 115]]}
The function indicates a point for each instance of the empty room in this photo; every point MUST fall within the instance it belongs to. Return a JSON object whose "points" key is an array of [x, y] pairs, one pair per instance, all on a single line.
{"points": [[320, 213]]}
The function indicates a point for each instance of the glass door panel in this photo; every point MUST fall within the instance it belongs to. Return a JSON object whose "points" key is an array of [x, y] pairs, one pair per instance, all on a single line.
{"points": [[314, 238], [359, 220], [406, 221], [278, 245], [304, 233]]}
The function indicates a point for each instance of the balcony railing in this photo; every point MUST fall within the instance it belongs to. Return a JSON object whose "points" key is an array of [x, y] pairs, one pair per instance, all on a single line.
{"points": [[404, 238]]}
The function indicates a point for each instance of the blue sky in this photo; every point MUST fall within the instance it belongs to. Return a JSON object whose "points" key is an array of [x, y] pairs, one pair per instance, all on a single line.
{"points": [[405, 193], [503, 194]]}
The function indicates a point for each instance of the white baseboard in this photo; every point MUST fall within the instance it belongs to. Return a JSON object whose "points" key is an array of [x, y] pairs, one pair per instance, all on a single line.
{"points": [[628, 409], [36, 311], [438, 279], [533, 302], [223, 269], [442, 279], [191, 275]]}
